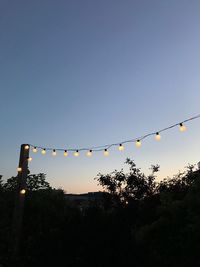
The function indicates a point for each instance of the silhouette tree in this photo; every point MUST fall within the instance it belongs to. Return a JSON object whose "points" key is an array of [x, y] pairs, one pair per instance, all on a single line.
{"points": [[133, 185], [34, 182], [1, 183], [141, 217]]}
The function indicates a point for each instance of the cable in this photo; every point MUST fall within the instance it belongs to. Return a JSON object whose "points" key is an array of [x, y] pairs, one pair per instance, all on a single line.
{"points": [[108, 146]]}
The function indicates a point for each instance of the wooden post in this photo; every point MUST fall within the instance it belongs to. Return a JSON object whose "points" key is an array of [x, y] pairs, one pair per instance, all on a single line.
{"points": [[19, 202]]}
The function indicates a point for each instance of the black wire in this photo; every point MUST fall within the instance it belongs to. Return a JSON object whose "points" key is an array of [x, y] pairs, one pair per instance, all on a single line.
{"points": [[103, 147]]}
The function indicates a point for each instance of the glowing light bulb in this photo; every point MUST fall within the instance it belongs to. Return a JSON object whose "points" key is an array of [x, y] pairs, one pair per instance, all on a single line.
{"points": [[76, 153], [157, 136], [43, 151], [54, 153], [182, 127], [35, 149], [29, 159], [106, 153], [89, 153], [121, 147], [23, 192], [19, 169], [65, 153], [138, 143], [26, 147]]}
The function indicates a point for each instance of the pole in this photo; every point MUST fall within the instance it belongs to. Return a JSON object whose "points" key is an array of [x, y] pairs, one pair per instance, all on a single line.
{"points": [[19, 202]]}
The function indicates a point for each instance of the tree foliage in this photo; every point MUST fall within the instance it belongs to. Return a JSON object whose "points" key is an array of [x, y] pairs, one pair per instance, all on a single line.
{"points": [[134, 185], [34, 182], [140, 222]]}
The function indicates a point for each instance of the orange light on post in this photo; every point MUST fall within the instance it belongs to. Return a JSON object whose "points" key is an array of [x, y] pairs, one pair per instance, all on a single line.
{"points": [[26, 147], [29, 159], [19, 169], [23, 192]]}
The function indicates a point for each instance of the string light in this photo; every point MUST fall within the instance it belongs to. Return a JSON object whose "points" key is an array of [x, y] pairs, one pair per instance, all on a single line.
{"points": [[104, 148], [89, 153], [29, 159], [65, 153], [157, 136], [19, 169], [23, 192], [35, 149], [106, 152], [27, 147], [54, 153], [121, 147], [76, 153], [182, 127], [138, 143], [43, 151]]}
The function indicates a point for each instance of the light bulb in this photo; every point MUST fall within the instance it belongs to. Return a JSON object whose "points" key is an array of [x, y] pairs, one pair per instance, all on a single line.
{"points": [[157, 136], [26, 147], [138, 143], [65, 153], [182, 127], [35, 149], [54, 153], [19, 169], [121, 147], [43, 151], [23, 192], [106, 153], [89, 153], [29, 159], [76, 153]]}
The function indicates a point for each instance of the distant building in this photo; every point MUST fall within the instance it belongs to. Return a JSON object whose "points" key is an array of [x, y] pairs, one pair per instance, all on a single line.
{"points": [[85, 196], [86, 200]]}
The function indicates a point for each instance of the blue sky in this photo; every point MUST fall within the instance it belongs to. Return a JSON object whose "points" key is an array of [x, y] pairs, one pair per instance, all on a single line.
{"points": [[86, 73]]}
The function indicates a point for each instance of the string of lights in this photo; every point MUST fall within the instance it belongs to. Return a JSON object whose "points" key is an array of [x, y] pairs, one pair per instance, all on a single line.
{"points": [[105, 148]]}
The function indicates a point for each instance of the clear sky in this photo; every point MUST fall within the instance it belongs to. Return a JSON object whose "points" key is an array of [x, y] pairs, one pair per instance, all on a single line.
{"points": [[86, 73]]}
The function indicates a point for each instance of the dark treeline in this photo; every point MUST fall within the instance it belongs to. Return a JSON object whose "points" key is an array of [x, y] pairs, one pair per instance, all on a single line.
{"points": [[138, 222]]}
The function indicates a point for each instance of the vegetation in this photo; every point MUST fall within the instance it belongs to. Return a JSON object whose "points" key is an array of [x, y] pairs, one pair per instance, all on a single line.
{"points": [[139, 222]]}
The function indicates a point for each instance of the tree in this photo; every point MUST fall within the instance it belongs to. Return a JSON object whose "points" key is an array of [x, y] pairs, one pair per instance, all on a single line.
{"points": [[34, 182], [1, 183], [173, 236], [133, 185]]}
